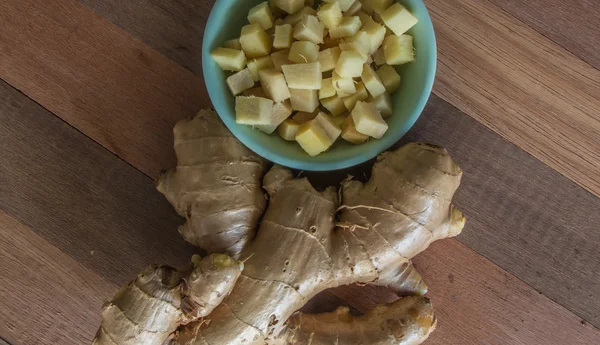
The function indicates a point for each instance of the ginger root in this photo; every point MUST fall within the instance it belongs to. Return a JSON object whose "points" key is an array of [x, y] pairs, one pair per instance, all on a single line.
{"points": [[307, 241]]}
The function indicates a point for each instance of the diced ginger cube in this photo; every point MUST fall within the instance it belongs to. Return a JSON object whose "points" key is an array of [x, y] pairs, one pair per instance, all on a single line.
{"points": [[398, 19], [294, 19], [343, 86], [280, 58], [330, 15], [281, 111], [375, 34], [344, 4], [334, 105], [283, 36], [380, 5], [303, 76], [233, 43], [255, 41], [330, 127], [350, 64], [304, 100], [350, 134], [256, 65], [261, 14], [274, 85], [327, 90], [240, 82], [288, 129], [338, 120], [379, 57], [313, 138], [353, 10], [253, 110], [290, 6], [364, 17], [372, 82], [367, 6], [303, 116], [309, 29], [360, 95], [256, 92], [348, 26], [353, 46], [384, 104], [328, 58], [389, 77], [304, 52], [229, 59], [398, 50], [368, 120]]}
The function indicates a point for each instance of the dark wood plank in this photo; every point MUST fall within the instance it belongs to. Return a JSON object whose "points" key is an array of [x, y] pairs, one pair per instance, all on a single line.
{"points": [[572, 24], [80, 197], [97, 78], [46, 297], [503, 310], [520, 84]]}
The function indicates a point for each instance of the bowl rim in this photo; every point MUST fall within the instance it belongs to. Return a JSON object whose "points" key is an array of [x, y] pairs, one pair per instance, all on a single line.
{"points": [[217, 98]]}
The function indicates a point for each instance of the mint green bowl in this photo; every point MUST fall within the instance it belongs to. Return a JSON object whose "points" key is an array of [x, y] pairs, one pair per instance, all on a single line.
{"points": [[225, 22]]}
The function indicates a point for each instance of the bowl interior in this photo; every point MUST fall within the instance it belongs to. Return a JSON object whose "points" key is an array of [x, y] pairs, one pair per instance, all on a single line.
{"points": [[225, 22]]}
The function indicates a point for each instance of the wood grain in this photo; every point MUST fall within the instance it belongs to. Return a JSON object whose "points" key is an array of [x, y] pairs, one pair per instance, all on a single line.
{"points": [[478, 303], [46, 297], [97, 78], [520, 84], [572, 24]]}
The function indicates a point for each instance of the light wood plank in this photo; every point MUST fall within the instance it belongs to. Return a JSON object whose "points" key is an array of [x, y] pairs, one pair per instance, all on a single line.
{"points": [[477, 303], [97, 78], [45, 296], [572, 24], [520, 84]]}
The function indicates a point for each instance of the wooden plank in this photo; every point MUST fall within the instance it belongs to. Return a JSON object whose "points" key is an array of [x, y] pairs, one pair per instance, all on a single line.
{"points": [[478, 303], [522, 215], [572, 24], [520, 84], [97, 78], [45, 296]]}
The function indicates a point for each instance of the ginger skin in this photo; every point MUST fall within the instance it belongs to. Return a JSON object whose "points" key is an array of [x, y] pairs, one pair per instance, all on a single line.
{"points": [[309, 241]]}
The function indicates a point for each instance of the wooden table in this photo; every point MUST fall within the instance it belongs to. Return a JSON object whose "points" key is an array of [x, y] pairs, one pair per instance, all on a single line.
{"points": [[90, 91]]}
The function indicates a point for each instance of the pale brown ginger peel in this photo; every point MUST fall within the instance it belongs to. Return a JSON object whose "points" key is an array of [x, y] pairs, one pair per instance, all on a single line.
{"points": [[307, 241]]}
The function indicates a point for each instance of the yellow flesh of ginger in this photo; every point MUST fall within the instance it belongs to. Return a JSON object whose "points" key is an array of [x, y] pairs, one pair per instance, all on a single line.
{"points": [[313, 138], [283, 36], [240, 82], [368, 120], [229, 59], [253, 110], [304, 52], [398, 50], [274, 85], [288, 129], [303, 76], [389, 77], [261, 14], [304, 100], [255, 41], [398, 19], [350, 134]]}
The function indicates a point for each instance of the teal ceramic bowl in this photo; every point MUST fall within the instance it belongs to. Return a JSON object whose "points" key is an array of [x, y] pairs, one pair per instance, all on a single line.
{"points": [[225, 22]]}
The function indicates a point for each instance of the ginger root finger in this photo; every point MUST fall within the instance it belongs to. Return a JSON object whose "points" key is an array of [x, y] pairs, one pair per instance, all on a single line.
{"points": [[150, 309], [408, 321], [216, 185]]}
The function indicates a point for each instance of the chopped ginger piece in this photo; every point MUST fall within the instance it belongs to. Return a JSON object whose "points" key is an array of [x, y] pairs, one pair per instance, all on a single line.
{"points": [[261, 14], [304, 100], [353, 10], [255, 41], [348, 27], [384, 104], [233, 44], [290, 6], [343, 86], [398, 50], [389, 77], [350, 134], [253, 110], [350, 64], [398, 19], [288, 129], [313, 138], [240, 82], [303, 76], [229, 59], [274, 85], [327, 89], [283, 36], [256, 65], [304, 52], [360, 95], [328, 58], [372, 81], [281, 111], [330, 15], [309, 29], [330, 127], [280, 58], [334, 105], [368, 120]]}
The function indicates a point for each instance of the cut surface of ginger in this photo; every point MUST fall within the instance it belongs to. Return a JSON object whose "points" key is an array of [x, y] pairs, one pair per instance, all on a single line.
{"points": [[304, 52], [350, 134], [334, 104], [361, 94], [327, 89], [258, 64], [398, 50], [309, 29], [372, 81], [229, 59], [383, 103], [283, 36], [303, 76], [240, 82], [313, 138], [304, 100], [255, 41], [290, 6], [368, 120], [330, 126], [398, 19], [344, 4], [261, 14], [343, 86], [274, 85], [389, 77], [281, 111], [288, 129], [330, 14], [253, 110], [328, 58], [348, 26], [280, 58]]}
